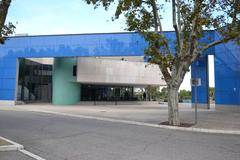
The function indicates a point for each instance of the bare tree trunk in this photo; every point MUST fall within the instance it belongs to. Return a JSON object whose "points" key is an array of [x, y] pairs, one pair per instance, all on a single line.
{"points": [[173, 113], [4, 5]]}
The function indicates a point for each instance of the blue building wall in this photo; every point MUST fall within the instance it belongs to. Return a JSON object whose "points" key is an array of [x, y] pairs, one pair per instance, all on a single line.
{"points": [[128, 44], [7, 78], [114, 44], [119, 44], [227, 73], [199, 69]]}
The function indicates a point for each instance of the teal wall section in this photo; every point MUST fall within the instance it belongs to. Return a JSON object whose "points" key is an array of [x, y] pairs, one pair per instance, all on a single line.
{"points": [[66, 91]]}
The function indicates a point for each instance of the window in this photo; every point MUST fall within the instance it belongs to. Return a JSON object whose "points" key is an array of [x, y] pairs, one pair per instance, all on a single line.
{"points": [[74, 70]]}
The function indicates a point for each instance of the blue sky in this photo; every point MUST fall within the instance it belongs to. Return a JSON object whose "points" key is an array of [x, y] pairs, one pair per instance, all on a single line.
{"points": [[39, 17], [64, 16], [60, 17]]}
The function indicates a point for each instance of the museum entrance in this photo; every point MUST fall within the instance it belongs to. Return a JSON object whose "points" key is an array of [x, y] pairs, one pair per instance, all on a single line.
{"points": [[34, 80], [107, 93]]}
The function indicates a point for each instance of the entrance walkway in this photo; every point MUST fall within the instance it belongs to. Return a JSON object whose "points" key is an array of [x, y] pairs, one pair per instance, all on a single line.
{"points": [[151, 113]]}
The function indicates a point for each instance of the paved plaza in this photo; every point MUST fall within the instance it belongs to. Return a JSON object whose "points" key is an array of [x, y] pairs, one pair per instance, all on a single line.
{"points": [[152, 113]]}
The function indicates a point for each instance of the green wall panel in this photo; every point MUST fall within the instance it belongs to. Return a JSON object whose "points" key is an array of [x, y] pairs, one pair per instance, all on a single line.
{"points": [[66, 91]]}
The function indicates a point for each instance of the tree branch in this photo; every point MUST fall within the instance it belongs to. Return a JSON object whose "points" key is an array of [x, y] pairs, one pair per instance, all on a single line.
{"points": [[157, 22], [236, 11], [158, 25], [178, 16], [175, 26], [4, 5], [194, 33], [165, 73], [216, 43]]}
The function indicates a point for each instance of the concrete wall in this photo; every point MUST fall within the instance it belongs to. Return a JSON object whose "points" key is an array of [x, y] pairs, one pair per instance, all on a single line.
{"points": [[125, 58], [48, 61], [105, 71]]}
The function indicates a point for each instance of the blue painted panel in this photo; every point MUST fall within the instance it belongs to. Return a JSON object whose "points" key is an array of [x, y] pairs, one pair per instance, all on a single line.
{"points": [[7, 94], [209, 36], [8, 73], [199, 70], [119, 44], [8, 84], [227, 73]]}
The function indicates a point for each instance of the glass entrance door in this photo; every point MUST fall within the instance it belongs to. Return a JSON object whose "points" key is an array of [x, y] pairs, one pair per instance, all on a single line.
{"points": [[35, 81]]}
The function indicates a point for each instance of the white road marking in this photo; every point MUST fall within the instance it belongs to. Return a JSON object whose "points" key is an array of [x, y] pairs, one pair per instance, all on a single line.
{"points": [[31, 154], [18, 147], [13, 146]]}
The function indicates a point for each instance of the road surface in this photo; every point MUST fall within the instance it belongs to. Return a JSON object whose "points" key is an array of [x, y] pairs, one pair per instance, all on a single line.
{"points": [[56, 137]]}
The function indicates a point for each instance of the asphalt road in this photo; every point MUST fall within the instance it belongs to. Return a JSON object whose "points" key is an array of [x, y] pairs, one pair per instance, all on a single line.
{"points": [[67, 138], [14, 155]]}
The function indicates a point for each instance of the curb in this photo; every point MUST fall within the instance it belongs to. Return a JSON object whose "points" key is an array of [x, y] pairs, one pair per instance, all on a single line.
{"points": [[18, 147], [12, 147], [190, 129]]}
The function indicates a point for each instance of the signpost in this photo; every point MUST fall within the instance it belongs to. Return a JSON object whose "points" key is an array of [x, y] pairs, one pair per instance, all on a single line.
{"points": [[195, 82]]}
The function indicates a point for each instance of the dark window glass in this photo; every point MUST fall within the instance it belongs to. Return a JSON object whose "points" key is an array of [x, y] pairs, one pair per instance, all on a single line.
{"points": [[107, 93], [35, 81], [75, 70]]}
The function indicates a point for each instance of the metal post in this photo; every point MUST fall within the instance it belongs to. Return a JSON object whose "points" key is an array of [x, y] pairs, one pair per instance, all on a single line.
{"points": [[195, 94], [115, 97], [94, 90]]}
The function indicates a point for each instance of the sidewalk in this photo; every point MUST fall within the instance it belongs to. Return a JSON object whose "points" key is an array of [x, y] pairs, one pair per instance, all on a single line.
{"points": [[146, 113]]}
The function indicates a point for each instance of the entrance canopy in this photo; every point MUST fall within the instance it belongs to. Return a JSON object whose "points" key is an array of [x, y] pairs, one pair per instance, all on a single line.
{"points": [[118, 72]]}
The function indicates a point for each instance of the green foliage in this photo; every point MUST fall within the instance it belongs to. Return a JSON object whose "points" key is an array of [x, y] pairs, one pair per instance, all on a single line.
{"points": [[184, 95], [163, 94], [153, 92], [189, 18], [7, 30], [212, 93]]}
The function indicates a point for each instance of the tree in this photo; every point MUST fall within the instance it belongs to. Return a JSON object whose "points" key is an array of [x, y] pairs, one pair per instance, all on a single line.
{"points": [[190, 19], [212, 93], [5, 29], [184, 94], [153, 92], [163, 94]]}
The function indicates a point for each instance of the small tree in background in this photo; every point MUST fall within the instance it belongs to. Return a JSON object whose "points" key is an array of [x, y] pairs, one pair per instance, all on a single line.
{"points": [[163, 94], [184, 95], [189, 18], [212, 93], [5, 29]]}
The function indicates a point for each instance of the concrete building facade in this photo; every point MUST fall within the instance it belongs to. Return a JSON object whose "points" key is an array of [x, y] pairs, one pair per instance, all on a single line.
{"points": [[68, 52]]}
